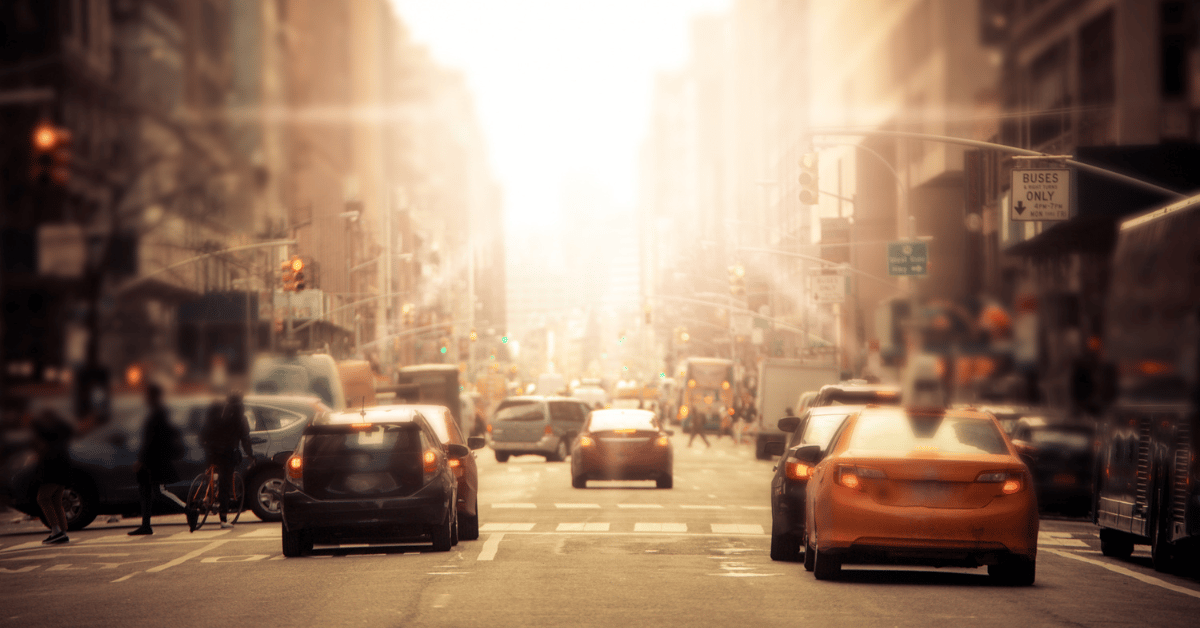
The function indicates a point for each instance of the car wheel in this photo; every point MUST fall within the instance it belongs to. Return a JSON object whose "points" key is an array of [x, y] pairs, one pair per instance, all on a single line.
{"points": [[79, 504], [785, 547], [560, 453], [809, 557], [442, 534], [266, 494], [501, 457], [1114, 544], [468, 526], [665, 481], [295, 543], [454, 531], [579, 481], [826, 567], [1017, 573]]}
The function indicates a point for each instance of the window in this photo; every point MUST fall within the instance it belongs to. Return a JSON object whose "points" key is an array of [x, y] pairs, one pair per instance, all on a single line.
{"points": [[264, 418], [918, 432]]}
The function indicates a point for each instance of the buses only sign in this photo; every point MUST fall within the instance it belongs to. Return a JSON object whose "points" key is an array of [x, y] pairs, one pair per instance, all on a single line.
{"points": [[1041, 194]]}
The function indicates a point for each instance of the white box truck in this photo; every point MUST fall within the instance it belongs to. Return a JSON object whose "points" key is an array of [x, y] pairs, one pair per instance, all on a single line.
{"points": [[781, 381]]}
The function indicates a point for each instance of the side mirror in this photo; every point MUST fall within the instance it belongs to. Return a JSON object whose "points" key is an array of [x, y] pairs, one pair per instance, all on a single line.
{"points": [[476, 442], [774, 447], [809, 454], [454, 450], [789, 423]]}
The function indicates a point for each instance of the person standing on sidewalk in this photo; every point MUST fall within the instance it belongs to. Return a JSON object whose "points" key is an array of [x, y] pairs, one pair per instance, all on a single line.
{"points": [[223, 434], [53, 439], [162, 444]]}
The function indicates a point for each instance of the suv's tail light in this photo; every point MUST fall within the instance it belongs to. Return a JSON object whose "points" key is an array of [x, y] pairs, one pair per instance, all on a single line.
{"points": [[429, 464], [798, 471], [586, 441], [295, 471]]}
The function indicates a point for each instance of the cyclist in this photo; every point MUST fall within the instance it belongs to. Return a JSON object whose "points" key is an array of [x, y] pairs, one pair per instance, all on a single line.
{"points": [[226, 434]]}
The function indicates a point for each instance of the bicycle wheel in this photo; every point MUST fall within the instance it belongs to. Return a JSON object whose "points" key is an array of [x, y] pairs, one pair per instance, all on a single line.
{"points": [[198, 502], [237, 501]]}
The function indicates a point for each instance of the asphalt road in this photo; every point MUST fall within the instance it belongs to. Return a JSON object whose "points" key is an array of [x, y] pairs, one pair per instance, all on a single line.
{"points": [[614, 554]]}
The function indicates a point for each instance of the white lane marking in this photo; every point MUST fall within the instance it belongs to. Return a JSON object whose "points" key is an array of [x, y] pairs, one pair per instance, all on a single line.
{"points": [[660, 527], [124, 578], [489, 547], [639, 506], [520, 505], [1127, 572], [574, 505], [187, 557], [275, 532], [582, 527], [736, 528], [515, 469], [756, 507], [701, 507], [506, 527], [120, 538], [1057, 535], [22, 546], [441, 600], [199, 535], [1058, 542]]}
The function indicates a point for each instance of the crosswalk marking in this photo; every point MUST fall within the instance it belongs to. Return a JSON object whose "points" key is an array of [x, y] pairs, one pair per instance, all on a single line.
{"points": [[736, 528], [582, 527], [660, 527], [639, 505], [702, 507], [273, 532], [506, 527], [574, 505], [1059, 539]]}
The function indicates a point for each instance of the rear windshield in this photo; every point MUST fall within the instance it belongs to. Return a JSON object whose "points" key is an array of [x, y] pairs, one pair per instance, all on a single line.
{"points": [[380, 439], [299, 375], [604, 421], [1062, 439], [902, 433], [821, 428], [520, 411]]}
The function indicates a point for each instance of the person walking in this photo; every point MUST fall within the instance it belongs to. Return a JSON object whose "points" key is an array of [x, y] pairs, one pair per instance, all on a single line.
{"points": [[224, 432], [53, 439], [162, 444], [697, 429]]}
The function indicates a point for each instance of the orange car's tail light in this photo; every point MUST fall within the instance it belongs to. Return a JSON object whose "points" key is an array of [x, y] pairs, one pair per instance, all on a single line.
{"points": [[549, 431], [847, 478], [1009, 482], [852, 477], [662, 441], [1010, 486], [799, 471], [586, 441]]}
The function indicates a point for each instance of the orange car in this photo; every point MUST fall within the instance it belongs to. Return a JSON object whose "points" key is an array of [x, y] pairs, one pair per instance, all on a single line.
{"points": [[925, 487]]}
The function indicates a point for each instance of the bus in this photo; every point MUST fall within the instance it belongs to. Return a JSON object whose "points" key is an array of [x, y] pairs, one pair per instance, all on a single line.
{"points": [[1147, 480], [707, 388]]}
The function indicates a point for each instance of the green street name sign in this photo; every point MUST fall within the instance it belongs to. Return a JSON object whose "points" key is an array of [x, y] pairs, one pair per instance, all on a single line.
{"points": [[907, 258]]}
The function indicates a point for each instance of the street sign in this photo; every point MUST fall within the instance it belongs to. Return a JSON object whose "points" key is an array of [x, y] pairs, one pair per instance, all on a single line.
{"points": [[1041, 194], [907, 258], [828, 288]]}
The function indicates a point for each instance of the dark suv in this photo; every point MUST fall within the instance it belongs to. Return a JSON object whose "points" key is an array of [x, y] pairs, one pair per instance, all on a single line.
{"points": [[543, 426], [378, 475]]}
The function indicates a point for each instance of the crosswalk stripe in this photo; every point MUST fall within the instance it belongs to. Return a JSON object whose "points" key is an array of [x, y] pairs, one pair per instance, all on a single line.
{"points": [[582, 527], [275, 532], [736, 528], [660, 527], [639, 506], [506, 527], [574, 505], [702, 507]]}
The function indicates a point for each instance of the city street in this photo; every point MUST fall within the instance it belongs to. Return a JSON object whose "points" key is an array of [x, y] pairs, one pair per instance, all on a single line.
{"points": [[549, 555]]}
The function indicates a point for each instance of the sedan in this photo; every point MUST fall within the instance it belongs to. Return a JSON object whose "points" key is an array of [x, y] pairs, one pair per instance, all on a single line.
{"points": [[622, 444], [381, 474], [925, 487]]}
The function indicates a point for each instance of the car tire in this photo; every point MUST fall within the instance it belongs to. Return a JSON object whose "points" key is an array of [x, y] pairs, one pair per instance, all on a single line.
{"points": [[295, 543], [825, 566], [579, 481], [785, 548], [468, 525], [266, 494], [665, 481], [560, 453], [809, 557], [454, 538], [501, 457], [1016, 573], [79, 503], [443, 535], [1115, 544]]}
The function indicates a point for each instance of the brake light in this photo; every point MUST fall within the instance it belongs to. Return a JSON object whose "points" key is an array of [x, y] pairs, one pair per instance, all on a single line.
{"points": [[455, 463], [360, 426], [430, 459], [624, 430], [1010, 486], [1010, 483], [683, 412], [586, 441], [295, 467], [662, 441], [852, 477], [847, 478], [799, 471]]}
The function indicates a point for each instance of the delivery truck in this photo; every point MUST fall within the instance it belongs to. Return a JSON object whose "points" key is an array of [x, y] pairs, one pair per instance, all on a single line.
{"points": [[781, 381]]}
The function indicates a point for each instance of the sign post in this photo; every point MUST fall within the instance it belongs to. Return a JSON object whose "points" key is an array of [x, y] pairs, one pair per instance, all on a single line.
{"points": [[1041, 194]]}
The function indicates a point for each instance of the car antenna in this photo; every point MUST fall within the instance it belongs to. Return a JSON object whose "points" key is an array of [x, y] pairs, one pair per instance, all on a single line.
{"points": [[363, 411]]}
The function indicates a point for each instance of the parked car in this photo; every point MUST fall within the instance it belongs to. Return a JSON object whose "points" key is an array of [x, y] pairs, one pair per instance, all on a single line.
{"points": [[815, 426], [466, 471], [103, 481], [378, 474], [931, 487], [622, 445], [538, 425], [1061, 457]]}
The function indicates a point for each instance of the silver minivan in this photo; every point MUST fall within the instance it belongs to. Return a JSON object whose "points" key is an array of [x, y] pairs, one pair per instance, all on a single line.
{"points": [[538, 425]]}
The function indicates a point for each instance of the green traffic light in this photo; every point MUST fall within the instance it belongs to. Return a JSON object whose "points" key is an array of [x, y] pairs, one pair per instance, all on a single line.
{"points": [[504, 340], [443, 349]]}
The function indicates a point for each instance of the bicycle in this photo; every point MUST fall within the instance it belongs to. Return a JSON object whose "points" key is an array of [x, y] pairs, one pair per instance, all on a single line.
{"points": [[204, 498]]}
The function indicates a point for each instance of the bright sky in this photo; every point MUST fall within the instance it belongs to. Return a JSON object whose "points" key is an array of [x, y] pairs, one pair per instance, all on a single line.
{"points": [[563, 87]]}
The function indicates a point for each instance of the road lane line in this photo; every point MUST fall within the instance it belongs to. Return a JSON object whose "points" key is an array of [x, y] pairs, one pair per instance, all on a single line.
{"points": [[490, 546], [701, 507], [186, 557], [736, 528], [639, 506], [1127, 572], [575, 505], [124, 578], [273, 533], [660, 527], [506, 527], [520, 505], [582, 527]]}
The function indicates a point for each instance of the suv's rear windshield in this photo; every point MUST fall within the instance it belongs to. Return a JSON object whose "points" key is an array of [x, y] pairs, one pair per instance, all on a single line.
{"points": [[602, 421], [344, 440], [520, 411]]}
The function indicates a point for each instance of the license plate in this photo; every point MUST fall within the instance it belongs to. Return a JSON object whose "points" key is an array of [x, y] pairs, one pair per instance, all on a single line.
{"points": [[929, 492]]}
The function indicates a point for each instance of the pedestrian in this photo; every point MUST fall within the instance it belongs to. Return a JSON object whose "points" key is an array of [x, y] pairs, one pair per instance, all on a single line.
{"points": [[52, 439], [225, 430], [697, 429], [162, 444]]}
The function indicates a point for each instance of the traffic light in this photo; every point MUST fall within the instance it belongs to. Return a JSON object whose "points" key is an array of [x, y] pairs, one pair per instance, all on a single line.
{"points": [[737, 280], [287, 277], [808, 178], [51, 154], [298, 278]]}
